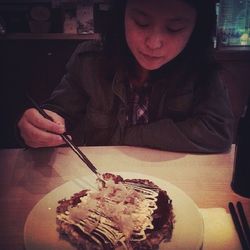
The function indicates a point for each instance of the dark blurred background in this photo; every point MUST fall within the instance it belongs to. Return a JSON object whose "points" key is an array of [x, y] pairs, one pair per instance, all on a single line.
{"points": [[37, 38]]}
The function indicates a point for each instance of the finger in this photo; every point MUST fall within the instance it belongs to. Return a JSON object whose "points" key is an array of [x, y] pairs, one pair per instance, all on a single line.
{"points": [[37, 120], [56, 118], [40, 138]]}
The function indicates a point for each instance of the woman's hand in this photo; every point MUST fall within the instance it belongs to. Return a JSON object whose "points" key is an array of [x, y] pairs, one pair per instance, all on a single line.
{"points": [[38, 131]]}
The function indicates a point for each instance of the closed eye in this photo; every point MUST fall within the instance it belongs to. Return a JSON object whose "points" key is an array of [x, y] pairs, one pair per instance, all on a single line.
{"points": [[175, 30], [141, 23]]}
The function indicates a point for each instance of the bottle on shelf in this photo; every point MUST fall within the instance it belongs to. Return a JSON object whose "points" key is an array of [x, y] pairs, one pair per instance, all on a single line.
{"points": [[241, 174]]}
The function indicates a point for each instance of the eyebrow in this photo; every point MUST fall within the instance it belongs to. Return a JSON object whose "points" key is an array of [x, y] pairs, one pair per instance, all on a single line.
{"points": [[171, 19], [140, 12], [178, 19]]}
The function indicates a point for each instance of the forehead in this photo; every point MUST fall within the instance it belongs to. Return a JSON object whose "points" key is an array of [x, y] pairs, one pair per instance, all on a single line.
{"points": [[162, 8]]}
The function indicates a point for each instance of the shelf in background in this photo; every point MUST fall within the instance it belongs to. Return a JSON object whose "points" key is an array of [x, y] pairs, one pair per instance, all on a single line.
{"points": [[234, 48], [234, 53], [49, 36]]}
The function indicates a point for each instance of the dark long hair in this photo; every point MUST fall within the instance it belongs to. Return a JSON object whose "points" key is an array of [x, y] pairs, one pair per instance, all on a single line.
{"points": [[199, 49]]}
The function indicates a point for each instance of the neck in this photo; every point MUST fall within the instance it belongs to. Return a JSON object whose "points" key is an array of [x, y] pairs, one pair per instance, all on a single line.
{"points": [[140, 77]]}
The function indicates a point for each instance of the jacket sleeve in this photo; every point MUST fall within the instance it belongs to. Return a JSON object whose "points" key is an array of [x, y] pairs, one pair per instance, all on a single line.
{"points": [[209, 128], [70, 97]]}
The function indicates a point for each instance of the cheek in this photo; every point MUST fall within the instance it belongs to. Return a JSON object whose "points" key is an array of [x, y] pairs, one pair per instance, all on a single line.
{"points": [[184, 37], [133, 36], [180, 43], [177, 44]]}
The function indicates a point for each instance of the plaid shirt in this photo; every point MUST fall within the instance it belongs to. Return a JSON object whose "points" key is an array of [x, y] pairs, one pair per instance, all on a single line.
{"points": [[138, 101]]}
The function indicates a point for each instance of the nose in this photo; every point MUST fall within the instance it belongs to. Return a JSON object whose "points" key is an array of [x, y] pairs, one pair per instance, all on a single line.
{"points": [[154, 41]]}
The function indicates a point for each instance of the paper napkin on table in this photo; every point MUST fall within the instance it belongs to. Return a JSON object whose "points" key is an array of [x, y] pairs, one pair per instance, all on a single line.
{"points": [[219, 230]]}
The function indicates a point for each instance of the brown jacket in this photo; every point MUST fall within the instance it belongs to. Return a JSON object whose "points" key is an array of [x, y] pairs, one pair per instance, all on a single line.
{"points": [[188, 113]]}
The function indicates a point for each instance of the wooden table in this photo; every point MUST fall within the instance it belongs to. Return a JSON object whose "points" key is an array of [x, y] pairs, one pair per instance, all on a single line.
{"points": [[28, 175]]}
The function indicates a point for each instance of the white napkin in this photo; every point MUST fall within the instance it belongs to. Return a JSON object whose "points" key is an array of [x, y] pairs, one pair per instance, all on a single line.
{"points": [[219, 230]]}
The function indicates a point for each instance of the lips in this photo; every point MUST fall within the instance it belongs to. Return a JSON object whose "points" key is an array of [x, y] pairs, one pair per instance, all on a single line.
{"points": [[151, 57]]}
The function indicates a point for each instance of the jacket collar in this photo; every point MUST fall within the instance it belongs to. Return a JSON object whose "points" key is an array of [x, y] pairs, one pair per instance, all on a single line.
{"points": [[118, 86]]}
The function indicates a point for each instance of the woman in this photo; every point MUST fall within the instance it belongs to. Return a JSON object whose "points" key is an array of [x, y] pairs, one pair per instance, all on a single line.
{"points": [[152, 82]]}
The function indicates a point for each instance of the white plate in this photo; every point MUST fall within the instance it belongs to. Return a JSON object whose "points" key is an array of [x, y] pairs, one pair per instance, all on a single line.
{"points": [[40, 227]]}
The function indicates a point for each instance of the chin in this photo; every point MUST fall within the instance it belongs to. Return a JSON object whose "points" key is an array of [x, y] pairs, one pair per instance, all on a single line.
{"points": [[151, 66]]}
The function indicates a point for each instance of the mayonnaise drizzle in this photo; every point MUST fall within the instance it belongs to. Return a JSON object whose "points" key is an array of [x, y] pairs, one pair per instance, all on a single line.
{"points": [[116, 213]]}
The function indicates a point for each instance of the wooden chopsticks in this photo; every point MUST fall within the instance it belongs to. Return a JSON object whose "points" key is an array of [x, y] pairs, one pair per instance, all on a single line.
{"points": [[241, 224], [67, 139]]}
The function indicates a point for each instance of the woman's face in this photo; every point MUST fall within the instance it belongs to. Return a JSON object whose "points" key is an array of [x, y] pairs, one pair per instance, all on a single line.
{"points": [[157, 30]]}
